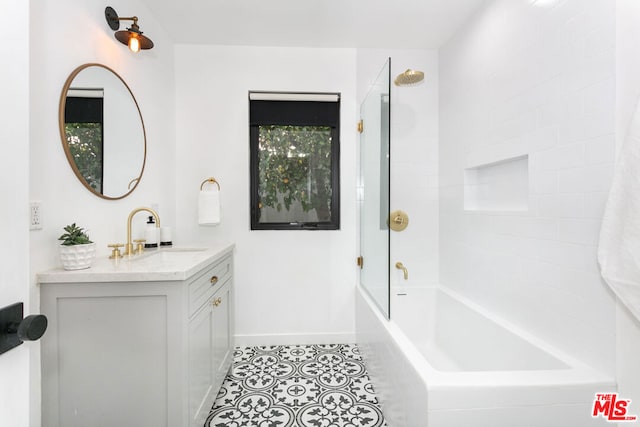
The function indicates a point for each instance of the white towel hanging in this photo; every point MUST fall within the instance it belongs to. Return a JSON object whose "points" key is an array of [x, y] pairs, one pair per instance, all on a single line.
{"points": [[619, 246], [209, 209]]}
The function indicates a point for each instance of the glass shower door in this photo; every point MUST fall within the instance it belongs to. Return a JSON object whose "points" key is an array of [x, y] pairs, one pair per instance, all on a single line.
{"points": [[374, 190]]}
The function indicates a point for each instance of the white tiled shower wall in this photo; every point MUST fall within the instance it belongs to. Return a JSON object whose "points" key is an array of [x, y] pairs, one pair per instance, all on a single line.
{"points": [[537, 80]]}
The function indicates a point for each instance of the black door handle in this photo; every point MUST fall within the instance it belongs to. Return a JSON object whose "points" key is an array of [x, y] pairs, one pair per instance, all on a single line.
{"points": [[14, 330]]}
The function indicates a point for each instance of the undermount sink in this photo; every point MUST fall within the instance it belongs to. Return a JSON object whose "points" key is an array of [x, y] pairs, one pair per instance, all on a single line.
{"points": [[164, 255]]}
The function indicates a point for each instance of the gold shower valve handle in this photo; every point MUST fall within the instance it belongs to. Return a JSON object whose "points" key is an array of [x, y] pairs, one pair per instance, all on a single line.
{"points": [[398, 220]]}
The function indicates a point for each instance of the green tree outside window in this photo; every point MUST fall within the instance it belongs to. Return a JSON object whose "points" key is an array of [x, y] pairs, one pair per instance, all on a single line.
{"points": [[295, 169]]}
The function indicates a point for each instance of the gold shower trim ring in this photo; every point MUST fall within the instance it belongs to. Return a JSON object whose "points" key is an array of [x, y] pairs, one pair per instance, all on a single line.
{"points": [[398, 220], [211, 180]]}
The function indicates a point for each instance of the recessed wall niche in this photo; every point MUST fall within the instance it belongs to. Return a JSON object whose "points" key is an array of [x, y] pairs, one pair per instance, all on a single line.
{"points": [[501, 186]]}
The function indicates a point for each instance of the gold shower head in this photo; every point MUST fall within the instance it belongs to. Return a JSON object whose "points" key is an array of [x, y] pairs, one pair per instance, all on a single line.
{"points": [[409, 77]]}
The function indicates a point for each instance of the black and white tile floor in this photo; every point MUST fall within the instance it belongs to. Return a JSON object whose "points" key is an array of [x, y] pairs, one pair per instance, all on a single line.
{"points": [[297, 386]]}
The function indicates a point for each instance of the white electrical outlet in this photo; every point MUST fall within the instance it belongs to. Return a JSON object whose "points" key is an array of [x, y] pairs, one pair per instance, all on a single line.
{"points": [[35, 215]]}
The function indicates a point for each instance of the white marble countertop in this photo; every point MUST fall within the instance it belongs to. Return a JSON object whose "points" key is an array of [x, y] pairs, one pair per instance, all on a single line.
{"points": [[176, 263]]}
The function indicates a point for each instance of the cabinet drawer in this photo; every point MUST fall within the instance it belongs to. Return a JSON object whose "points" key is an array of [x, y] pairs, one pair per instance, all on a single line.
{"points": [[201, 289]]}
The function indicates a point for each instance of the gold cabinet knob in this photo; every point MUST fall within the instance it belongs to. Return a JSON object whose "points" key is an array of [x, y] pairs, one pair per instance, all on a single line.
{"points": [[216, 302], [214, 280], [115, 252]]}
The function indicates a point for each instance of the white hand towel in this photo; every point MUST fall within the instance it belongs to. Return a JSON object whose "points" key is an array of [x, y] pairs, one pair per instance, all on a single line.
{"points": [[619, 247], [209, 207]]}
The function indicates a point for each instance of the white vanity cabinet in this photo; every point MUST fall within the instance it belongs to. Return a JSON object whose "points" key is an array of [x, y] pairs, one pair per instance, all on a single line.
{"points": [[140, 343], [210, 343]]}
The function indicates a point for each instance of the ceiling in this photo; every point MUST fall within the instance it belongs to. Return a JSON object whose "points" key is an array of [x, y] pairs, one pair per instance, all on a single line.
{"points": [[313, 23]]}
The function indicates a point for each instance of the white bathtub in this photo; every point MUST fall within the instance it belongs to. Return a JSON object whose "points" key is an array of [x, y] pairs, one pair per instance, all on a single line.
{"points": [[452, 364]]}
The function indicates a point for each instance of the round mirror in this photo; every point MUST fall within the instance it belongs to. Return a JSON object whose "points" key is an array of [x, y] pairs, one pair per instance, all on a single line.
{"points": [[102, 131]]}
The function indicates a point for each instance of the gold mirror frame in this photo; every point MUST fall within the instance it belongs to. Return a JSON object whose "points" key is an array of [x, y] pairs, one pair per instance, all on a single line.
{"points": [[63, 134]]}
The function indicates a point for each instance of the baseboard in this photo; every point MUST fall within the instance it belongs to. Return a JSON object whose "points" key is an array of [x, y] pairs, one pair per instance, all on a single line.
{"points": [[293, 339]]}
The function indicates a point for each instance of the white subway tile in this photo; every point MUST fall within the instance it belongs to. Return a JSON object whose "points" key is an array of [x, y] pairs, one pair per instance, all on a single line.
{"points": [[570, 205], [567, 205], [504, 224], [572, 180], [564, 254], [551, 114], [538, 228], [594, 204], [564, 157], [513, 128], [544, 205], [600, 98], [579, 26], [586, 127], [588, 72], [599, 178], [525, 248], [541, 139], [585, 180], [601, 150], [581, 231], [561, 109], [542, 182]]}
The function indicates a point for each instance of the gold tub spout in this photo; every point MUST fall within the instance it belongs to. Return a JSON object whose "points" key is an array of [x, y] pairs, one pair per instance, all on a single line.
{"points": [[401, 266], [128, 250]]}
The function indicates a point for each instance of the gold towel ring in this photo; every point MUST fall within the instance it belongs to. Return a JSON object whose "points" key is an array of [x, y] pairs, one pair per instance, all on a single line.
{"points": [[211, 180]]}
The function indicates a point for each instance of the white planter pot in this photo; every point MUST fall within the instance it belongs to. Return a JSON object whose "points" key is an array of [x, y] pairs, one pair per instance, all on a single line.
{"points": [[77, 257]]}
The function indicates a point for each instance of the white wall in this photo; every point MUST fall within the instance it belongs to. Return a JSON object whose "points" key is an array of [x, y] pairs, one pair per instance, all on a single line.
{"points": [[14, 190], [291, 286], [627, 99], [64, 35], [57, 51], [537, 80]]}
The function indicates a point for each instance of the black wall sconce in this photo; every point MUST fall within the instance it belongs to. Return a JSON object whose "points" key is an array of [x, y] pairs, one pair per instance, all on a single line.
{"points": [[14, 330], [132, 37]]}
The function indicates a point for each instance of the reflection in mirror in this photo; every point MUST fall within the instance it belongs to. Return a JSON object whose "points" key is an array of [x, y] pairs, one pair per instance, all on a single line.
{"points": [[102, 131]]}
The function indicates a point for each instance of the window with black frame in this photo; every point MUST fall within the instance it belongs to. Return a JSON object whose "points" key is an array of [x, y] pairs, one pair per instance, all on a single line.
{"points": [[295, 161]]}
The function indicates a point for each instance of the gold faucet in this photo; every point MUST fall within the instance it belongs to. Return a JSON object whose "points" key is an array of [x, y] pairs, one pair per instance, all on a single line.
{"points": [[128, 250], [401, 266]]}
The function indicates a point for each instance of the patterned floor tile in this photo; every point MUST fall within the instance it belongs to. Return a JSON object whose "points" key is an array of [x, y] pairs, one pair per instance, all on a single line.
{"points": [[297, 386]]}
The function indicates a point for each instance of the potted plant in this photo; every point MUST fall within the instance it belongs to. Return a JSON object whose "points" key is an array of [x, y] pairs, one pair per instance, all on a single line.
{"points": [[77, 251]]}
